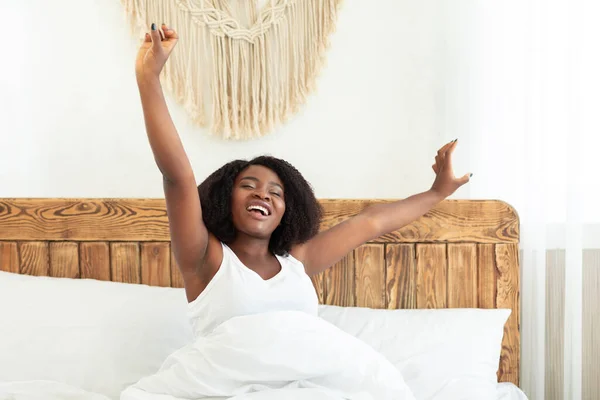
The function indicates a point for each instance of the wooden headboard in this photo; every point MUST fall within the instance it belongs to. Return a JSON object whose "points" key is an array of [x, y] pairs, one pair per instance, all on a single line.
{"points": [[461, 254]]}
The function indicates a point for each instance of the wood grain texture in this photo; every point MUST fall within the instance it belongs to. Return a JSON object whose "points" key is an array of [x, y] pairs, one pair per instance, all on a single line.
{"points": [[370, 276], [125, 262], [156, 264], [94, 260], [176, 277], [339, 283], [487, 275], [64, 259], [9, 257], [84, 219], [508, 289], [319, 284], [34, 258], [432, 273], [146, 220], [401, 276], [451, 221], [462, 275]]}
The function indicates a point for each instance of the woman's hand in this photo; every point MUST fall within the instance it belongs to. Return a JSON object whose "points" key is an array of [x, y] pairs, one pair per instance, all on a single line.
{"points": [[154, 52], [445, 182]]}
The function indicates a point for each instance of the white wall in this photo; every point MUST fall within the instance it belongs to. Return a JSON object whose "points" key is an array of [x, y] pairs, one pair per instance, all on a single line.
{"points": [[72, 126]]}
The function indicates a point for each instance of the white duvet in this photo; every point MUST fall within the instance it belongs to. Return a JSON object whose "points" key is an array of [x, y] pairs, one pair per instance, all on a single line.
{"points": [[270, 355]]}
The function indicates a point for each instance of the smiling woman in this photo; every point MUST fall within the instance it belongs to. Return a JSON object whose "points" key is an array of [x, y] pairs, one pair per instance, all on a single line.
{"points": [[292, 211], [247, 239], [260, 208]]}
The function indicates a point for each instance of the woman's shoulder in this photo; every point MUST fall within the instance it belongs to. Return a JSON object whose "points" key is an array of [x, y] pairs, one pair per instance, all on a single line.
{"points": [[297, 253], [293, 261]]}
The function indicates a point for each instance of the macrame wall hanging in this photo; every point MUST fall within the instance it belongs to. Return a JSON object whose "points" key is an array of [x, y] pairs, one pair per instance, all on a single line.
{"points": [[252, 67]]}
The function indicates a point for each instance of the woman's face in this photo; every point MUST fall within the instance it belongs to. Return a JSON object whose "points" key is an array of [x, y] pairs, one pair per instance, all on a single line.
{"points": [[257, 203]]}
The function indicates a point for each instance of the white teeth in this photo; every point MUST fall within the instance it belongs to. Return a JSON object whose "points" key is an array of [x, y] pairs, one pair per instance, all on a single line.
{"points": [[263, 210]]}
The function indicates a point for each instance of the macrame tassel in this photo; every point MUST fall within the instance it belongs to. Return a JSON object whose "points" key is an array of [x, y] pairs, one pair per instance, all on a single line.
{"points": [[255, 68]]}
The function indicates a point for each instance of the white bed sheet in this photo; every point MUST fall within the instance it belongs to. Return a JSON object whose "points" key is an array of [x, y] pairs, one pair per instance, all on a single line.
{"points": [[509, 391], [47, 390]]}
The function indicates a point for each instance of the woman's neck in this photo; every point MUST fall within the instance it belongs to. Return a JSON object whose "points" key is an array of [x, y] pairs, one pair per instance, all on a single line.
{"points": [[251, 247]]}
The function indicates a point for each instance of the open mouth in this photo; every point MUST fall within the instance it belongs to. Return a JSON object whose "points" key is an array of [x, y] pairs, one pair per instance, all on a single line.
{"points": [[258, 210]]}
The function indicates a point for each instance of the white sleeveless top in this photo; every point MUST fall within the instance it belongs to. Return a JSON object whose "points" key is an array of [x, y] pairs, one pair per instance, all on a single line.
{"points": [[236, 290]]}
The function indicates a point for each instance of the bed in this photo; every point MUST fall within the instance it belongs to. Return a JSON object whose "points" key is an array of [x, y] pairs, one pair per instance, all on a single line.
{"points": [[461, 255]]}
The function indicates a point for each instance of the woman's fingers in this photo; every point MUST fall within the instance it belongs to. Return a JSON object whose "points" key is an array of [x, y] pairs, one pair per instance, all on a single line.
{"points": [[448, 154], [155, 35], [438, 162], [464, 179], [168, 32], [446, 146]]}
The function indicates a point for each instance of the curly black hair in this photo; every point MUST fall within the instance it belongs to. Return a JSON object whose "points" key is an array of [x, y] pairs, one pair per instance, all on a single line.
{"points": [[301, 218]]}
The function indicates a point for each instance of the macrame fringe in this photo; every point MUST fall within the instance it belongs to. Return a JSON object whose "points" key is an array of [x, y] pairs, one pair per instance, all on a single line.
{"points": [[255, 68]]}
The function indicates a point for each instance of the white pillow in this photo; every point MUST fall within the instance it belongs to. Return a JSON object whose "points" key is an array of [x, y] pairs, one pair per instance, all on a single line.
{"points": [[442, 354], [94, 335]]}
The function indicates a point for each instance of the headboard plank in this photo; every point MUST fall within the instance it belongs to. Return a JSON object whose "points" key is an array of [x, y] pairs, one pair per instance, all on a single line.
{"points": [[339, 283], [176, 278], [479, 221], [146, 220], [9, 257], [431, 276], [462, 275], [34, 258], [460, 254], [125, 262], [319, 284], [155, 264], [94, 260], [84, 219], [64, 259], [401, 276], [370, 277], [508, 293], [486, 267]]}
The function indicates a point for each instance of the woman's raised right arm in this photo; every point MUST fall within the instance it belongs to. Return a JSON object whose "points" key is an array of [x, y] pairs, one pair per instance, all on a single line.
{"points": [[189, 236]]}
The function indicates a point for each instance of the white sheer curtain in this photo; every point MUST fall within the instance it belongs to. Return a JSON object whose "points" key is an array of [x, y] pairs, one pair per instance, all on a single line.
{"points": [[522, 94]]}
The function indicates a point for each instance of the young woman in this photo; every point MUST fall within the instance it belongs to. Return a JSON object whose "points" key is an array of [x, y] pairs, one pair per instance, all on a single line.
{"points": [[246, 240]]}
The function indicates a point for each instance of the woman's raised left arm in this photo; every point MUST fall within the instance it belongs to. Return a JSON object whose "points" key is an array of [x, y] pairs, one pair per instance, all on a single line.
{"points": [[330, 246]]}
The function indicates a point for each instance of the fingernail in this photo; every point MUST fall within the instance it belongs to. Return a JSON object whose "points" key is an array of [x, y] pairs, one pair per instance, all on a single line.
{"points": [[455, 140], [153, 26], [470, 176]]}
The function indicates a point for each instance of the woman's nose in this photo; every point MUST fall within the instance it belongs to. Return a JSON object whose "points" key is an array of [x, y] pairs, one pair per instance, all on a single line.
{"points": [[261, 193]]}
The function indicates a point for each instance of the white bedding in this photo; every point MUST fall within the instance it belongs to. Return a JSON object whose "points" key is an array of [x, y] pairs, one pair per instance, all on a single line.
{"points": [[46, 390], [508, 391], [287, 350], [116, 334]]}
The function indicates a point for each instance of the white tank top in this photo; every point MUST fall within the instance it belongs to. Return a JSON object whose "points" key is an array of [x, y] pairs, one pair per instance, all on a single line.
{"points": [[236, 290]]}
